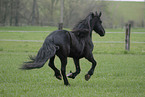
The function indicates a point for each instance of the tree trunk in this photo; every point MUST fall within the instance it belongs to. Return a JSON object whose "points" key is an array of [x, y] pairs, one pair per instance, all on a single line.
{"points": [[5, 12], [17, 13], [33, 13], [11, 12]]}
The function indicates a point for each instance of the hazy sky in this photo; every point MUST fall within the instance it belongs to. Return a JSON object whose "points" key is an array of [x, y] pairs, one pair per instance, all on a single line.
{"points": [[127, 0]]}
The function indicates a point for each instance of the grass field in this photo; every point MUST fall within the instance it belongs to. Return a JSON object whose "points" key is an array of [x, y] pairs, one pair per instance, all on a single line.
{"points": [[118, 73]]}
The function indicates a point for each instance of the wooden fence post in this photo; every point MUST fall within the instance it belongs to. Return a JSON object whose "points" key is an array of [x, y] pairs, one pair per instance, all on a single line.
{"points": [[60, 26], [127, 37]]}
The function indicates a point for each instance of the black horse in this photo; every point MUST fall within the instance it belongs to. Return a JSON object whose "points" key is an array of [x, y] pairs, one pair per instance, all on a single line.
{"points": [[76, 44]]}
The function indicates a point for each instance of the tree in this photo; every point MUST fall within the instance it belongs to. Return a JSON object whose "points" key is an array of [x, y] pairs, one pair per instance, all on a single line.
{"points": [[52, 6], [17, 6], [35, 13], [3, 11]]}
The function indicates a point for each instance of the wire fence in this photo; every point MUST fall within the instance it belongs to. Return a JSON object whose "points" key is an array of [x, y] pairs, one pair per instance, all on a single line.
{"points": [[112, 42]]}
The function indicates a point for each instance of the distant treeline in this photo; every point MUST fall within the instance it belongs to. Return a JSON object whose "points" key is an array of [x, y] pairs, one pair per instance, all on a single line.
{"points": [[47, 13]]}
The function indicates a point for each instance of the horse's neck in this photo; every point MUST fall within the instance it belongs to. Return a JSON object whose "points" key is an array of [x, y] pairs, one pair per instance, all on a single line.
{"points": [[86, 26], [90, 34], [90, 31]]}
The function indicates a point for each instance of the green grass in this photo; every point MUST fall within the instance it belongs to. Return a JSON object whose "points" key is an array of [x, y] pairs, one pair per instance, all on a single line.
{"points": [[118, 73], [115, 75]]}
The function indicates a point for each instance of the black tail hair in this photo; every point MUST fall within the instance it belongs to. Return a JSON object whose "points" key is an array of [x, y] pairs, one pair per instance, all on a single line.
{"points": [[47, 51]]}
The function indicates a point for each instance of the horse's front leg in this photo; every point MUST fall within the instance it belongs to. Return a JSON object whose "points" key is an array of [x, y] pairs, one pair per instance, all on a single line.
{"points": [[91, 71], [77, 65], [63, 70]]}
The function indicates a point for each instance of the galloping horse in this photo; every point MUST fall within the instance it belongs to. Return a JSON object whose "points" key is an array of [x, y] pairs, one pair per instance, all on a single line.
{"points": [[75, 44]]}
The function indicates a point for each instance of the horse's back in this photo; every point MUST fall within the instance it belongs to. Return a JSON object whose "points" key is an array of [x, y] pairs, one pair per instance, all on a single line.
{"points": [[57, 36]]}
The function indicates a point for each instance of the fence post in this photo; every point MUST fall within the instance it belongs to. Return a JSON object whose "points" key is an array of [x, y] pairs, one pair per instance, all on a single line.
{"points": [[127, 37], [60, 26]]}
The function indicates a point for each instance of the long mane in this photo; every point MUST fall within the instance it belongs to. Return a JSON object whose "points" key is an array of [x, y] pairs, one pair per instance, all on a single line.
{"points": [[81, 33], [83, 24]]}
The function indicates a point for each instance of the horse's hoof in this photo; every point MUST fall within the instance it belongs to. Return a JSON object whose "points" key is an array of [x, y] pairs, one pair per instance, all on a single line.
{"points": [[87, 77], [59, 77], [67, 84], [70, 75]]}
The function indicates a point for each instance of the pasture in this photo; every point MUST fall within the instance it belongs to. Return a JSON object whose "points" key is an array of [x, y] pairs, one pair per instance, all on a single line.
{"points": [[118, 74]]}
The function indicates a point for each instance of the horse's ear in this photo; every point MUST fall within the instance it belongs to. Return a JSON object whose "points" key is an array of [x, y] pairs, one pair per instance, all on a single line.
{"points": [[96, 13], [100, 14]]}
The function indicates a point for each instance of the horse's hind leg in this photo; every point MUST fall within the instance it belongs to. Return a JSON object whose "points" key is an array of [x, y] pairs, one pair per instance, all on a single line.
{"points": [[63, 70], [91, 71], [56, 71], [77, 65]]}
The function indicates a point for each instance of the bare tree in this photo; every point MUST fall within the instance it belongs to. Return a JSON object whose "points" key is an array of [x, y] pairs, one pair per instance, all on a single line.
{"points": [[52, 10], [47, 12], [35, 13], [17, 12], [4, 11]]}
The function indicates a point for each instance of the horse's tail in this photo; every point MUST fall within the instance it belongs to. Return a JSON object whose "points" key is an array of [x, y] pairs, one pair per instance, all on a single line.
{"points": [[47, 51]]}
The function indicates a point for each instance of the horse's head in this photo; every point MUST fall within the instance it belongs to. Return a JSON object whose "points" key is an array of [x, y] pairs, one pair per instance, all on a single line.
{"points": [[96, 23]]}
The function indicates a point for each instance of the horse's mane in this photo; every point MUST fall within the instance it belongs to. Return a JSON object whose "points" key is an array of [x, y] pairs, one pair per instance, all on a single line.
{"points": [[81, 33], [83, 24]]}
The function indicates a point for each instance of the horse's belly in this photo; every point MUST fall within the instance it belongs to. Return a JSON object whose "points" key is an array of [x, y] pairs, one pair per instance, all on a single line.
{"points": [[76, 55]]}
